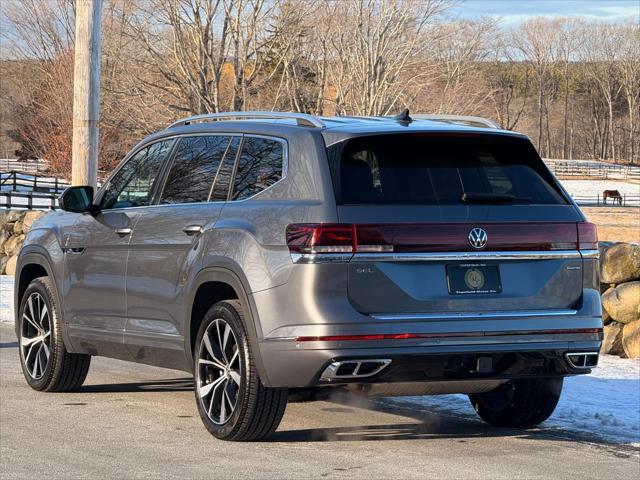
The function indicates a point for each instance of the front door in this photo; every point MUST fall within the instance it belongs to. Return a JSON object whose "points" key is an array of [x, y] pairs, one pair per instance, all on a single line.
{"points": [[96, 253], [166, 246]]}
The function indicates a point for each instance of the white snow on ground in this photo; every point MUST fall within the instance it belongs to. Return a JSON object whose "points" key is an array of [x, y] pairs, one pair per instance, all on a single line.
{"points": [[605, 403], [6, 299], [595, 187]]}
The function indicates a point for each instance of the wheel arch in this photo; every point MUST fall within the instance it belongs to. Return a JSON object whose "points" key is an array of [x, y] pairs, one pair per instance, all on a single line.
{"points": [[211, 285], [32, 263]]}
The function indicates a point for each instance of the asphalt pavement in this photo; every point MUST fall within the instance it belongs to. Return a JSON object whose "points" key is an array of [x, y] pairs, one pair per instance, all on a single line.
{"points": [[136, 421]]}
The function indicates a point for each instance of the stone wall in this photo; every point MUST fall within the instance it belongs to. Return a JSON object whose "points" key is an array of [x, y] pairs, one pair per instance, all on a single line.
{"points": [[13, 225], [620, 277]]}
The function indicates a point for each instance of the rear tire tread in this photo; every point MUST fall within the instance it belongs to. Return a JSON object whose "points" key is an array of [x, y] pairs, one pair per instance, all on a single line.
{"points": [[263, 406], [533, 401]]}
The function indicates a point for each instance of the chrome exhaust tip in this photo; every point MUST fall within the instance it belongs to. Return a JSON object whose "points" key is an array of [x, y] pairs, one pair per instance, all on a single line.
{"points": [[582, 360], [350, 369]]}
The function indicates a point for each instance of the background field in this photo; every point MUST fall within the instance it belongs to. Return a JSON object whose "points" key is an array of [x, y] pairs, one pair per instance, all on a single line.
{"points": [[615, 224]]}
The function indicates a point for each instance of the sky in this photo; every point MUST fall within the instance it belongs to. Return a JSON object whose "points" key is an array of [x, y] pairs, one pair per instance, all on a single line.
{"points": [[516, 11]]}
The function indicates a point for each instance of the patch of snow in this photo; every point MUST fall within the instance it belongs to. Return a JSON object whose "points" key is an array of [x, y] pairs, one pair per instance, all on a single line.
{"points": [[6, 298], [605, 403], [596, 187]]}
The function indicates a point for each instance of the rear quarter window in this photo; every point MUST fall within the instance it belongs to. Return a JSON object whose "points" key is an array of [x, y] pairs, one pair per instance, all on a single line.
{"points": [[260, 165], [437, 169]]}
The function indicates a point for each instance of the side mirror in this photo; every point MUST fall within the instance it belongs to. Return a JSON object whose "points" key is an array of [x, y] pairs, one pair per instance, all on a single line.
{"points": [[79, 200]]}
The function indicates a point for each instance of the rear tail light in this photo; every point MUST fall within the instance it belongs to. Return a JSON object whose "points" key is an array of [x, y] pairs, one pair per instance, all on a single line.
{"points": [[316, 238], [587, 236], [321, 238]]}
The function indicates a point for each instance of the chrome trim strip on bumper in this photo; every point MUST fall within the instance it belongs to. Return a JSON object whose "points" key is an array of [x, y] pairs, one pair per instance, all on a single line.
{"points": [[463, 315], [441, 256], [455, 256], [321, 257]]}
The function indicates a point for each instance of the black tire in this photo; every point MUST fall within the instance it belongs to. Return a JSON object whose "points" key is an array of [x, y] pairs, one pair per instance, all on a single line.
{"points": [[64, 371], [258, 409], [519, 403]]}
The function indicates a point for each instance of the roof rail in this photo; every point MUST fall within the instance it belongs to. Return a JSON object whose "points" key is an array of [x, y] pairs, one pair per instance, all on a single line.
{"points": [[302, 119], [458, 119]]}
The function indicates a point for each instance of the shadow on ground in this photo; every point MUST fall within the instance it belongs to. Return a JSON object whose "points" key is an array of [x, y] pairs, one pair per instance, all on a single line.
{"points": [[169, 385], [437, 424]]}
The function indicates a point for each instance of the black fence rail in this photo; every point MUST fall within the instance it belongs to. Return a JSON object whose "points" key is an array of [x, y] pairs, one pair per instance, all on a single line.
{"points": [[28, 200], [17, 181], [598, 201]]}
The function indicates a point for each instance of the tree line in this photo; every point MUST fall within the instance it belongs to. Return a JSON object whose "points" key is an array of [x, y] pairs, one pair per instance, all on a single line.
{"points": [[572, 85]]}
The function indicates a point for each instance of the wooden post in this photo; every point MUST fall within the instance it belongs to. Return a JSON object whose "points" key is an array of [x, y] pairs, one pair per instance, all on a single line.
{"points": [[86, 93]]}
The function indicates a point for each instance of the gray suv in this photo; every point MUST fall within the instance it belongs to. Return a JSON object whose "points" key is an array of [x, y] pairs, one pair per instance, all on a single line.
{"points": [[280, 254]]}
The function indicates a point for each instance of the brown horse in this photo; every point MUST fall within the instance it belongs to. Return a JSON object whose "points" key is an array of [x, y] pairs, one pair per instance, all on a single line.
{"points": [[613, 194]]}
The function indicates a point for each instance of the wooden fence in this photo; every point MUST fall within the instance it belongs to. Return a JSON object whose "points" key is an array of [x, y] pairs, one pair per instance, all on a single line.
{"points": [[33, 167], [593, 170]]}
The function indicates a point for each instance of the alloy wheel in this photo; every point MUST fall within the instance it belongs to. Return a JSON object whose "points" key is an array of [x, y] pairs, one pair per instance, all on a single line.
{"points": [[35, 336], [218, 371]]}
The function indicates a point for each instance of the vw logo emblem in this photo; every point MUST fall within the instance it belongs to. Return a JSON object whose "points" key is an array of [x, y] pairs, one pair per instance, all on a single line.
{"points": [[477, 238]]}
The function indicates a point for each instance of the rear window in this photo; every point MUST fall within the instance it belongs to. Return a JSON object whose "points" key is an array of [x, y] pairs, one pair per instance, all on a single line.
{"points": [[437, 169]]}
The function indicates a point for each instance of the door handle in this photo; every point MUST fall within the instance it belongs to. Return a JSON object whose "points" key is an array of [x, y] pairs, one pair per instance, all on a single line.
{"points": [[124, 231], [192, 229]]}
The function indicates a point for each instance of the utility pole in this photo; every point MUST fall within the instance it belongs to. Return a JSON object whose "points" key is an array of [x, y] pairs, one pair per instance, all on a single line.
{"points": [[86, 93]]}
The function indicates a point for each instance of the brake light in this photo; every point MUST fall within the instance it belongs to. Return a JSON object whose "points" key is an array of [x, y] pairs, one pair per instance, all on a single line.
{"points": [[321, 238], [317, 238], [587, 236]]}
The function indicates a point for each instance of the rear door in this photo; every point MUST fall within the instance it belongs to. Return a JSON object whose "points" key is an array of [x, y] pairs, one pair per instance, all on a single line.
{"points": [[165, 245], [464, 223]]}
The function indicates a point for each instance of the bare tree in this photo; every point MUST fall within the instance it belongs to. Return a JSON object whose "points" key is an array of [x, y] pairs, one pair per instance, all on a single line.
{"points": [[534, 41], [376, 52], [629, 73], [600, 54]]}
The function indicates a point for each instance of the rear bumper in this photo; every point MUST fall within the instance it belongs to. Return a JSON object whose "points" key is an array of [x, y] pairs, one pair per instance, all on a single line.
{"points": [[308, 323], [291, 364]]}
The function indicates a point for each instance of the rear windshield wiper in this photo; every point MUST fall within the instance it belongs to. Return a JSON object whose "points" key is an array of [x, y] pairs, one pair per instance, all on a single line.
{"points": [[477, 197]]}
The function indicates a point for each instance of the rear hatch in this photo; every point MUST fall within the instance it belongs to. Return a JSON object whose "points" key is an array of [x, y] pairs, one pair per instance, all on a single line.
{"points": [[456, 223]]}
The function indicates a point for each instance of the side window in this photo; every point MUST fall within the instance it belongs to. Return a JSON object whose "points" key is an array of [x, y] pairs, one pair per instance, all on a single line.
{"points": [[193, 169], [223, 176], [259, 166], [132, 185]]}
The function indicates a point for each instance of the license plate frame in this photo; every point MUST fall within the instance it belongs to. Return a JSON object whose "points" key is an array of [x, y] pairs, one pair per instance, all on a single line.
{"points": [[473, 279]]}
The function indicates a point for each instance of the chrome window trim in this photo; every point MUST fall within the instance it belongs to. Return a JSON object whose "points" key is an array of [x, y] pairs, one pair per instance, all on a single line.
{"points": [[178, 136], [465, 315], [590, 253]]}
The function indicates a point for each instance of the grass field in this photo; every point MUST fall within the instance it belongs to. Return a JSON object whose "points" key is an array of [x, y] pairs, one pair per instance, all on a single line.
{"points": [[615, 224]]}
